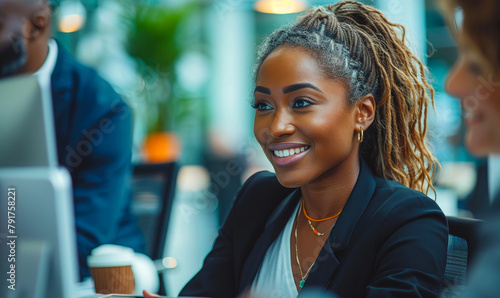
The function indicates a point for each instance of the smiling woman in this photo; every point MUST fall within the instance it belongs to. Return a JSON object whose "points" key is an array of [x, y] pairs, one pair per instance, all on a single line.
{"points": [[341, 108], [474, 80], [475, 77], [301, 108]]}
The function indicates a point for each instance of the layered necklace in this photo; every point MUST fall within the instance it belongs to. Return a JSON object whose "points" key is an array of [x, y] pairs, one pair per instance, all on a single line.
{"points": [[309, 219]]}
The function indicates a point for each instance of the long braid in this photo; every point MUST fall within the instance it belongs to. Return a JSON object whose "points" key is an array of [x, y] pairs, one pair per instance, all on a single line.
{"points": [[356, 43]]}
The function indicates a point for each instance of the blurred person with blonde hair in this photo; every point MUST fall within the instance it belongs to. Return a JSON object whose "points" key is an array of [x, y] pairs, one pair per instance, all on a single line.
{"points": [[475, 80], [475, 77]]}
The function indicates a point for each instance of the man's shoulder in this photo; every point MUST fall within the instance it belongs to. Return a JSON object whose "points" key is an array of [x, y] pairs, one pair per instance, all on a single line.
{"points": [[69, 67], [84, 82]]}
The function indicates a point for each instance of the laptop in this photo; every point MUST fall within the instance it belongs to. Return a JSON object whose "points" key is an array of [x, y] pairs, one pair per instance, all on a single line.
{"points": [[37, 234], [27, 135]]}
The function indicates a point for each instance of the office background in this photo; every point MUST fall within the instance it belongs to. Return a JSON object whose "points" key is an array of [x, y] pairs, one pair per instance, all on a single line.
{"points": [[186, 69]]}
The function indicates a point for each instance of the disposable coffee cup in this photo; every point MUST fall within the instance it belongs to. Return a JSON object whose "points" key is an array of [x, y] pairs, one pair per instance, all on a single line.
{"points": [[111, 269]]}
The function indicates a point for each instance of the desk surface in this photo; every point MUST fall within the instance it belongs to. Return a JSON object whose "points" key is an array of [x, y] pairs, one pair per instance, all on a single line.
{"points": [[85, 289]]}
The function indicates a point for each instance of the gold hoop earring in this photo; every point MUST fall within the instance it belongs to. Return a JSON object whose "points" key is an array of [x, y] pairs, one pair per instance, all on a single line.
{"points": [[360, 135]]}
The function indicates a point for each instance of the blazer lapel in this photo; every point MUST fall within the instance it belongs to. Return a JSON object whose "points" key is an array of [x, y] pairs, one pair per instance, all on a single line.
{"points": [[328, 258], [274, 227]]}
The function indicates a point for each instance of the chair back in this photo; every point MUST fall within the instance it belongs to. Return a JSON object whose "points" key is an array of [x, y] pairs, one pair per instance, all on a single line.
{"points": [[153, 191], [152, 197], [462, 247]]}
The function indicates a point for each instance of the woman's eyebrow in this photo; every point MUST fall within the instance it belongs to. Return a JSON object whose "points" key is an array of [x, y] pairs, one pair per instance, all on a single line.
{"points": [[262, 90], [288, 89], [298, 86]]}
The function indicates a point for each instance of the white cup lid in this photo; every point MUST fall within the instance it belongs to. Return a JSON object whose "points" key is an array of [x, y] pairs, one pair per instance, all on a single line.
{"points": [[110, 255]]}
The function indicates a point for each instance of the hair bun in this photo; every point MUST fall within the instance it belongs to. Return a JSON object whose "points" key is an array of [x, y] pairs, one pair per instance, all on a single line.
{"points": [[323, 17], [316, 17]]}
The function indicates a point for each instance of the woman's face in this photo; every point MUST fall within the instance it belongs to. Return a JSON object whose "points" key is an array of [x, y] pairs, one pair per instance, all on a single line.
{"points": [[479, 94], [303, 120]]}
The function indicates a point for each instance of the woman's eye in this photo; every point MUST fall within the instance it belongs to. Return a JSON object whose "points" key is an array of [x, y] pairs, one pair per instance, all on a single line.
{"points": [[474, 68], [472, 64], [260, 106], [301, 103]]}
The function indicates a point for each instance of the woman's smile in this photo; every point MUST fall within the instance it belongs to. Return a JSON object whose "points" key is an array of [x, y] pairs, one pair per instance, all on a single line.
{"points": [[286, 154], [480, 104]]}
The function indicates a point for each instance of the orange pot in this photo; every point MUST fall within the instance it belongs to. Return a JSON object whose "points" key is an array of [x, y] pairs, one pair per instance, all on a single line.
{"points": [[161, 147]]}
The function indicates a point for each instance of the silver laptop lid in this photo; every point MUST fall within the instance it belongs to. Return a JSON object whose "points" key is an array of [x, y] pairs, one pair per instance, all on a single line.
{"points": [[27, 134]]}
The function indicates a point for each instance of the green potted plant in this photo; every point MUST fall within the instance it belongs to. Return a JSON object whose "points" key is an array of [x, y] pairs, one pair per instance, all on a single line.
{"points": [[154, 40]]}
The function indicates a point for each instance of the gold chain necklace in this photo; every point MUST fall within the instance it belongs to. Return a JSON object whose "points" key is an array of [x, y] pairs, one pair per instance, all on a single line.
{"points": [[316, 231], [310, 223], [302, 276]]}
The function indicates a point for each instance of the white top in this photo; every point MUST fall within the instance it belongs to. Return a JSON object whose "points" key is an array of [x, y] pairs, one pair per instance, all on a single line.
{"points": [[275, 278], [493, 176], [45, 72]]}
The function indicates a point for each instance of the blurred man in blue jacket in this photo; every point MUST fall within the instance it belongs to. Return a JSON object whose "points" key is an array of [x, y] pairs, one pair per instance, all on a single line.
{"points": [[93, 126]]}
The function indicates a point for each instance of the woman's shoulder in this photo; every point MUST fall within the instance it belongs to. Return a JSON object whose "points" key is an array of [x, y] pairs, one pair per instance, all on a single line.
{"points": [[260, 183], [262, 188], [261, 178], [393, 193], [394, 206], [398, 189]]}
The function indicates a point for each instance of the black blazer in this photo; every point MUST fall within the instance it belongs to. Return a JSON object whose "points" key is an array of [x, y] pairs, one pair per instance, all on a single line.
{"points": [[389, 241], [478, 201]]}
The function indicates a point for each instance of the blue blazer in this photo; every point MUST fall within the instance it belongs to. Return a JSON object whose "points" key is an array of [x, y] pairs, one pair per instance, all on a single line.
{"points": [[389, 241], [94, 142]]}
